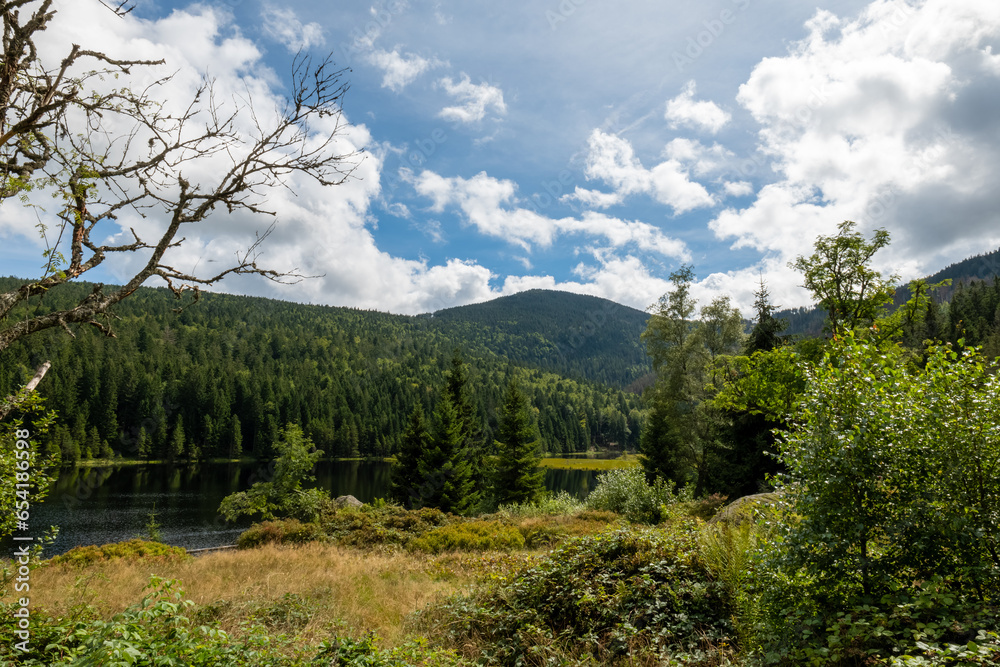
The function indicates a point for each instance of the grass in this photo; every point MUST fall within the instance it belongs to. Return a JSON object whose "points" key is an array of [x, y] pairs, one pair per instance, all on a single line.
{"points": [[312, 590], [625, 461]]}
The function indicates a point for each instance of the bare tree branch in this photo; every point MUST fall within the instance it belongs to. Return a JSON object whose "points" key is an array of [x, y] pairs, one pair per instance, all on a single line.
{"points": [[56, 134]]}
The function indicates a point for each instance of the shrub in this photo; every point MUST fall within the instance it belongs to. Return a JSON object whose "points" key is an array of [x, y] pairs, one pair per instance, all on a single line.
{"points": [[471, 536], [365, 652], [135, 549], [892, 477], [385, 524], [153, 632], [549, 505], [630, 594], [626, 492], [286, 531]]}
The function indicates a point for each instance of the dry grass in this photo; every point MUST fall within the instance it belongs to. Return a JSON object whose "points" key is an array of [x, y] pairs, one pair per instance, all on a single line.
{"points": [[328, 588]]}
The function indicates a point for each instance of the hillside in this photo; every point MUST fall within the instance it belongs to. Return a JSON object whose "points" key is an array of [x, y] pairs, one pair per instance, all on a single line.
{"points": [[223, 375], [808, 321], [572, 334]]}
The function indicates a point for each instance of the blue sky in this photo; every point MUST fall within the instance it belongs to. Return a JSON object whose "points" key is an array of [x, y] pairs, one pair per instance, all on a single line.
{"points": [[595, 146]]}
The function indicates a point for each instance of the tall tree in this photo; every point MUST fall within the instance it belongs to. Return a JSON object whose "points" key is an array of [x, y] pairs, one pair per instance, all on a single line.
{"points": [[766, 332], [840, 276], [684, 428], [518, 478], [406, 482], [445, 470], [458, 390]]}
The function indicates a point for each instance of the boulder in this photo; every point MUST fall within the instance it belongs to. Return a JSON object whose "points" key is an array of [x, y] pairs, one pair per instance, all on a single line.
{"points": [[347, 501], [742, 509]]}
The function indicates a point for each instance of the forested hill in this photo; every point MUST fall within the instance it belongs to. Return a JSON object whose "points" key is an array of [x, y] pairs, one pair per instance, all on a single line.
{"points": [[983, 268], [573, 334], [223, 375]]}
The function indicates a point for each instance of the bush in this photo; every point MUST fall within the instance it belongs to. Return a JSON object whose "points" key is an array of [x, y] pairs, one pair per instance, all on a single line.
{"points": [[551, 504], [382, 524], [630, 595], [286, 531], [471, 536], [153, 632], [626, 492], [365, 652], [892, 480], [131, 550]]}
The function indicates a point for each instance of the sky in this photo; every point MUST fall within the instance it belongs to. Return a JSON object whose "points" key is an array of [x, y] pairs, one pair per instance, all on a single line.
{"points": [[593, 146]]}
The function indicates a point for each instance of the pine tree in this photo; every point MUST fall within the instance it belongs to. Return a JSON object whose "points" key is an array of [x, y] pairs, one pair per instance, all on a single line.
{"points": [[406, 480], [518, 478], [142, 445], [235, 438], [445, 471], [176, 445], [457, 389], [765, 335]]}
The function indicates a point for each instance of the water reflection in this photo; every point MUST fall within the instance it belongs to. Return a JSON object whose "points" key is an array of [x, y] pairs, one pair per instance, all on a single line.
{"points": [[101, 505]]}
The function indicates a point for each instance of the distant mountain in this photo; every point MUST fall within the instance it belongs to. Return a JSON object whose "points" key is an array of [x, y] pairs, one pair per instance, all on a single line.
{"points": [[572, 334]]}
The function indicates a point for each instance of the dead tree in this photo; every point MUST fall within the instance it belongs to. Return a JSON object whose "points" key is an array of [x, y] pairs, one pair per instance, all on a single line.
{"points": [[60, 131]]}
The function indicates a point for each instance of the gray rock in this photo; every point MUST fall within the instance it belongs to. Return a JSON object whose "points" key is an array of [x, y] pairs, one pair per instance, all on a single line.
{"points": [[742, 509], [347, 501]]}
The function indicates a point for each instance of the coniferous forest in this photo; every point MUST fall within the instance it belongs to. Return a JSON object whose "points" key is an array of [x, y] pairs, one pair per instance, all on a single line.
{"points": [[219, 378]]}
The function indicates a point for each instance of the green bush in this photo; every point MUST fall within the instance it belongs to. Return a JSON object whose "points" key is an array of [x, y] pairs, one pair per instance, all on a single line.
{"points": [[153, 632], [892, 480], [626, 492], [285, 531], [471, 536], [631, 596], [382, 524], [550, 505], [365, 652], [131, 550]]}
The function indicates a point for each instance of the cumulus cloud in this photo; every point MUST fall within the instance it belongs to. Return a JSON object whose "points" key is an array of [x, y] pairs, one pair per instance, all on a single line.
{"points": [[625, 279], [400, 70], [474, 100], [683, 110], [887, 119], [738, 188], [319, 231], [611, 159], [490, 205], [282, 25]]}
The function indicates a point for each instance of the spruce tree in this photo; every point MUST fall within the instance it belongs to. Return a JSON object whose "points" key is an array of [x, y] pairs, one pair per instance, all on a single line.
{"points": [[176, 445], [406, 481], [444, 467], [518, 478]]}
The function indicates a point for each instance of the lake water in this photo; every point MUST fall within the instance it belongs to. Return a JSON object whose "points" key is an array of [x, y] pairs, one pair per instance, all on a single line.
{"points": [[102, 505]]}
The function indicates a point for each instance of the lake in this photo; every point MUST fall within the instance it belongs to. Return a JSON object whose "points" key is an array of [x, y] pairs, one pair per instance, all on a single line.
{"points": [[102, 505]]}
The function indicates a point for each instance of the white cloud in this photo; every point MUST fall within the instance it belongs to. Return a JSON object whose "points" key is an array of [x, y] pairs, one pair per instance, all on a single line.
{"points": [[738, 188], [887, 119], [622, 279], [683, 110], [612, 160], [282, 25], [320, 231], [475, 100], [400, 70], [490, 204], [593, 198]]}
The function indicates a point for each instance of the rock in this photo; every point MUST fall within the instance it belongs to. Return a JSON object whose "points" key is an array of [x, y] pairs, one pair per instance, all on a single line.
{"points": [[347, 501], [742, 509]]}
